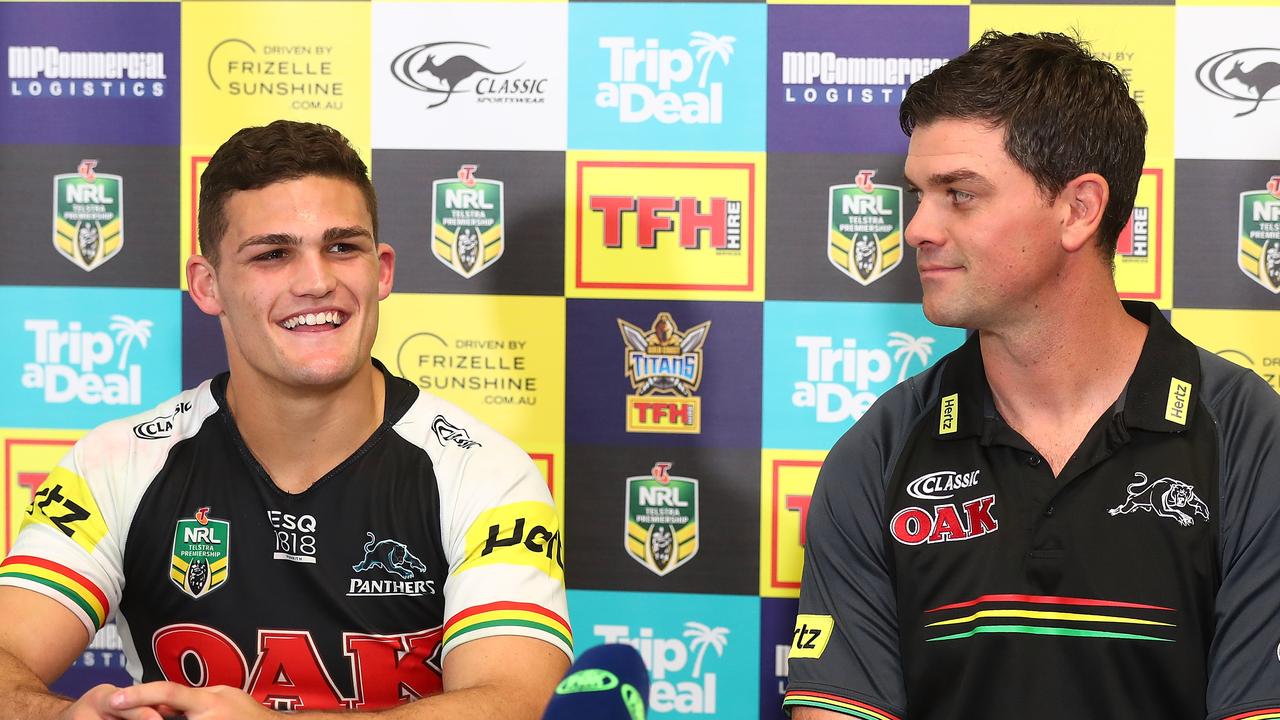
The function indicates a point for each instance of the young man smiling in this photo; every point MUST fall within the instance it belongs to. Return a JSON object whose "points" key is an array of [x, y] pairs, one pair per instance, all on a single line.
{"points": [[307, 532], [1076, 514]]}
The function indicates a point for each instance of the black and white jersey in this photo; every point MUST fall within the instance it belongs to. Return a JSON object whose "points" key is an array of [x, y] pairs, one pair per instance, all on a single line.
{"points": [[950, 574], [436, 531]]}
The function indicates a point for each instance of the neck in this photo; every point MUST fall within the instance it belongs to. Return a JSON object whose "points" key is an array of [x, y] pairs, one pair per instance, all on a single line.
{"points": [[299, 434], [1055, 371]]}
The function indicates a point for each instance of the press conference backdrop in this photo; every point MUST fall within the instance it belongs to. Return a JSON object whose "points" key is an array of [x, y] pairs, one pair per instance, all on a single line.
{"points": [[658, 244]]}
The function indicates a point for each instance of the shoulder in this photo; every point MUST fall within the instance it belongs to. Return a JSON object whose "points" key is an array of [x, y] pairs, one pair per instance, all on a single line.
{"points": [[134, 444], [1234, 394], [454, 439], [886, 425]]}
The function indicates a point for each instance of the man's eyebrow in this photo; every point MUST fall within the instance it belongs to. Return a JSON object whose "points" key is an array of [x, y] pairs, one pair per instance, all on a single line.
{"points": [[346, 233], [271, 239], [954, 176]]}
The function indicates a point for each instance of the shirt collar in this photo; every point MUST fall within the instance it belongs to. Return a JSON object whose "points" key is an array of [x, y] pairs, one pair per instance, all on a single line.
{"points": [[1159, 396]]}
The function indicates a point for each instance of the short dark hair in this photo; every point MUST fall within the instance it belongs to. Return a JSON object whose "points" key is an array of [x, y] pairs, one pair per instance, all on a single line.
{"points": [[1064, 113], [256, 157]]}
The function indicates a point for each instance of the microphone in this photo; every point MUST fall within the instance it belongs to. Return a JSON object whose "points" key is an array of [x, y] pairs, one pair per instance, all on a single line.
{"points": [[607, 682]]}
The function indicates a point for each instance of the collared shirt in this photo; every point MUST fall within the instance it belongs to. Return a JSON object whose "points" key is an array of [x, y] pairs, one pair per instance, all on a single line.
{"points": [[950, 574]]}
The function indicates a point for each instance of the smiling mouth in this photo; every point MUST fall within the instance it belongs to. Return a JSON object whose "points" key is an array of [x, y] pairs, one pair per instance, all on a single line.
{"points": [[318, 321]]}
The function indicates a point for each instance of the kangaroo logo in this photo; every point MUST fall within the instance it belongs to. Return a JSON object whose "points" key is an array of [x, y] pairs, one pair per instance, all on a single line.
{"points": [[437, 77], [1259, 80], [392, 556], [1165, 497]]}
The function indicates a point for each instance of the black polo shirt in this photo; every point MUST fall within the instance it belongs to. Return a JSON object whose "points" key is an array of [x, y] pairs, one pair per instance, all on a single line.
{"points": [[949, 574]]}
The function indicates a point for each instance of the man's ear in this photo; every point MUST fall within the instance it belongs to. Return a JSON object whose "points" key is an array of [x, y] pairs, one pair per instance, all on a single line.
{"points": [[202, 282], [386, 269], [1086, 200]]}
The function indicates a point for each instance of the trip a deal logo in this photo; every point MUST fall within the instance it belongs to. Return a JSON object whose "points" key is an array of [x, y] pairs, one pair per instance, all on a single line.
{"points": [[85, 356], [680, 229], [683, 79], [827, 363]]}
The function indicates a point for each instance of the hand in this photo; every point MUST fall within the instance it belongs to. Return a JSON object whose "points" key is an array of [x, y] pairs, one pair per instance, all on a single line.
{"points": [[213, 703], [96, 705]]}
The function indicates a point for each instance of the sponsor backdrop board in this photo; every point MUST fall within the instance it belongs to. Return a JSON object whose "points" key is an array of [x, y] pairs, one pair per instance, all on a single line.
{"points": [[661, 245]]}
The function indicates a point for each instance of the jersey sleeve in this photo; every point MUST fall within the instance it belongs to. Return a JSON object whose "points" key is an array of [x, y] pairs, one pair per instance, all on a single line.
{"points": [[844, 651], [503, 543], [68, 546], [1244, 664]]}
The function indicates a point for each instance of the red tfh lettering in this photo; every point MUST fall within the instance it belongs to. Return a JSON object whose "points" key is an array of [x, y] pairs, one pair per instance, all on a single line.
{"points": [[649, 223], [800, 504]]}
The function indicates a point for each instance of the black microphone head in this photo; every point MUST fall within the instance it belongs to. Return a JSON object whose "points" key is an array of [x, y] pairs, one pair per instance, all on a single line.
{"points": [[607, 682]]}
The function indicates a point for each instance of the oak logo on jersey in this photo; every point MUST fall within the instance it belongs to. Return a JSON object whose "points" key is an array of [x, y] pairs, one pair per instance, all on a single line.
{"points": [[1165, 497], [864, 237], [160, 427], [467, 222], [88, 216], [661, 519], [395, 558], [664, 367], [1249, 75], [945, 523], [201, 554], [449, 434], [1259, 244]]}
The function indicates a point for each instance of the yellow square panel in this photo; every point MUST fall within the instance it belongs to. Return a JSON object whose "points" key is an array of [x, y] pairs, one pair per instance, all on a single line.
{"points": [[1250, 338], [787, 478], [27, 456]]}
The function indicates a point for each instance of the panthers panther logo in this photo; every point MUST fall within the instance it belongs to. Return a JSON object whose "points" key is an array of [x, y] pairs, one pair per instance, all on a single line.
{"points": [[392, 556], [1165, 497]]}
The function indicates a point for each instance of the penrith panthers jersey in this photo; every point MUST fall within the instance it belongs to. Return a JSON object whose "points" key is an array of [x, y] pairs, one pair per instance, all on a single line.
{"points": [[435, 532]]}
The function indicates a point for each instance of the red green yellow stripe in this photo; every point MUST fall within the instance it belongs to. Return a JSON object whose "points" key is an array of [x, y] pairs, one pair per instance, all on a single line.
{"points": [[507, 614], [1038, 630], [1048, 600], [67, 582], [835, 703], [1044, 615], [1259, 714]]}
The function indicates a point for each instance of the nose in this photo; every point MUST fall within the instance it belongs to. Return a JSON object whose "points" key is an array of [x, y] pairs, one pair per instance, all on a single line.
{"points": [[924, 226], [312, 274]]}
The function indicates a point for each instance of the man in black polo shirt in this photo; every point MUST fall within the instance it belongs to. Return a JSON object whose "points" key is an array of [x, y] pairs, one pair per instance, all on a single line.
{"points": [[1074, 515]]}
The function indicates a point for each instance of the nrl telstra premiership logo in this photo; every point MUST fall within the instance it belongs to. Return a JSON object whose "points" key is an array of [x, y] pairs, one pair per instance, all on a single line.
{"points": [[864, 234], [467, 222], [661, 519], [88, 216], [1258, 247]]}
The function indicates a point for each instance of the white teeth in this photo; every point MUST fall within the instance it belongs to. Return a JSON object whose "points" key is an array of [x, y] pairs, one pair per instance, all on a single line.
{"points": [[331, 317]]}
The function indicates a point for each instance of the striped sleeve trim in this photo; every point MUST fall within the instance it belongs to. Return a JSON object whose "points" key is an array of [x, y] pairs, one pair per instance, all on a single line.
{"points": [[83, 594], [1271, 713], [507, 614], [835, 703]]}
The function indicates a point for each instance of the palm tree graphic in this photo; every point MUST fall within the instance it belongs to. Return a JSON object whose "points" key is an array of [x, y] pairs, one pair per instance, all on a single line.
{"points": [[704, 637], [709, 48], [909, 347], [127, 330]]}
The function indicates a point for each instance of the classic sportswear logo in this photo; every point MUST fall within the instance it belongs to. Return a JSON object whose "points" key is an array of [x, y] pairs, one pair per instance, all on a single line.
{"points": [[443, 69], [650, 82], [88, 216], [67, 361], [1165, 497], [1249, 75], [449, 434], [941, 485], [160, 427]]}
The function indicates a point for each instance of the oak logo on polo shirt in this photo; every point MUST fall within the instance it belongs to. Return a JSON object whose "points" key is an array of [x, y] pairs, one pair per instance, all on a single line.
{"points": [[945, 523], [864, 234], [664, 366], [1165, 497], [201, 554], [1258, 250]]}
